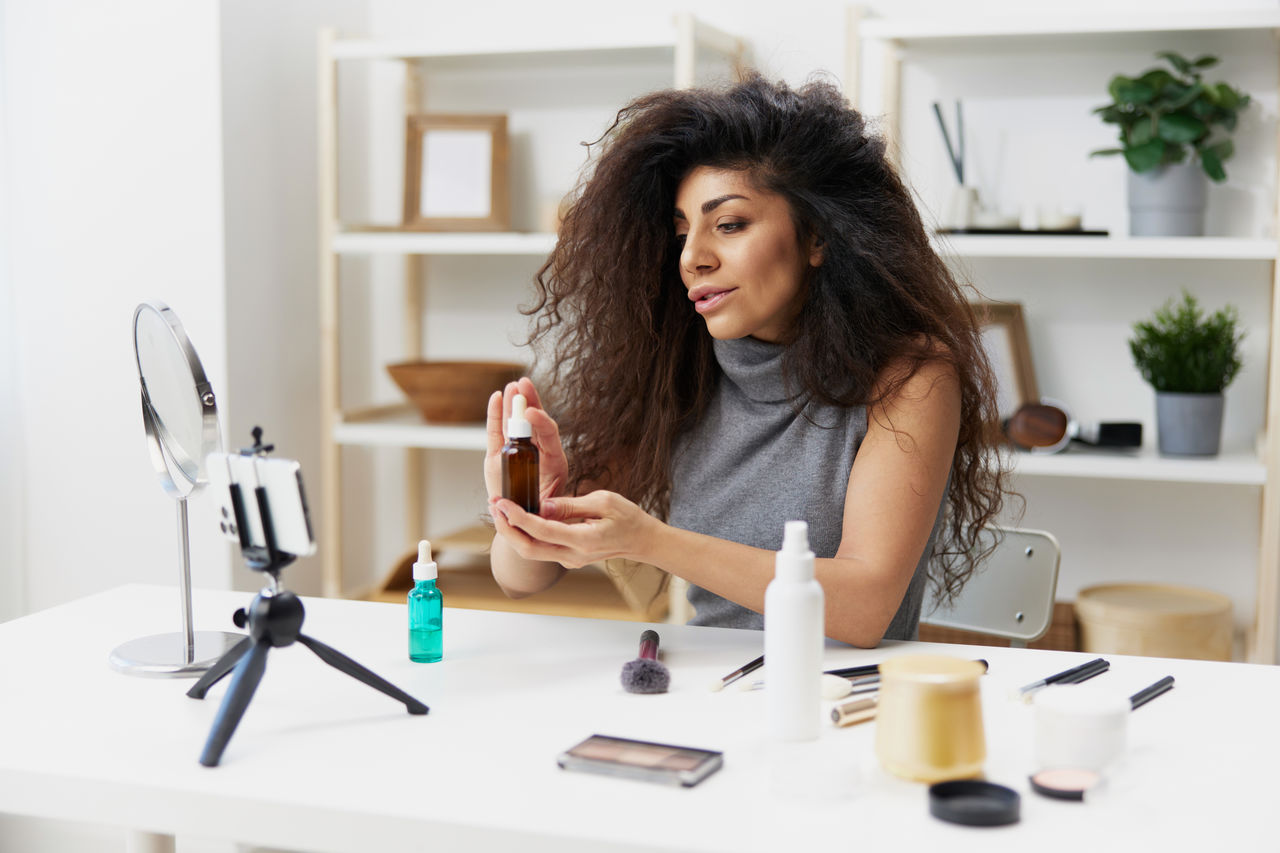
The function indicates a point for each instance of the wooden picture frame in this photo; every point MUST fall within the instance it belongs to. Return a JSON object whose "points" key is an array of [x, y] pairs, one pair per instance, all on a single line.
{"points": [[1004, 336], [455, 173]]}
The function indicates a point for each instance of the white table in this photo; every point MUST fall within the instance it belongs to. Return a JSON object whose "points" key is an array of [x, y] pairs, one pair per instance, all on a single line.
{"points": [[322, 762]]}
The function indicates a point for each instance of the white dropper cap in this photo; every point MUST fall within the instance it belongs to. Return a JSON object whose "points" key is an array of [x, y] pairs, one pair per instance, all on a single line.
{"points": [[795, 560], [425, 569], [518, 424]]}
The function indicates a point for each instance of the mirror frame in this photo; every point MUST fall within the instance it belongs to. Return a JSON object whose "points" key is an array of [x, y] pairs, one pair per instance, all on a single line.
{"points": [[167, 456]]}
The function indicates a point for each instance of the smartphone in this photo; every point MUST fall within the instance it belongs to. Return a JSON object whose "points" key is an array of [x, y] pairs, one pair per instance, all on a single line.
{"points": [[286, 499], [663, 763]]}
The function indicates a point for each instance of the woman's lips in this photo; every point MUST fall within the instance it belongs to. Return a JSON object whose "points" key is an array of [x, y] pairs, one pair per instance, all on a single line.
{"points": [[711, 301]]}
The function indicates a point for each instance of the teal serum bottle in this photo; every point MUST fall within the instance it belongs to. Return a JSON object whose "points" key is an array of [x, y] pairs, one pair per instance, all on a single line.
{"points": [[426, 610]]}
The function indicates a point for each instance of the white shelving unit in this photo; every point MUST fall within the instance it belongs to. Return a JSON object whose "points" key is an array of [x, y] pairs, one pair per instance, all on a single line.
{"points": [[1104, 248], [404, 428], [371, 242], [1238, 468], [970, 28], [680, 47], [897, 39]]}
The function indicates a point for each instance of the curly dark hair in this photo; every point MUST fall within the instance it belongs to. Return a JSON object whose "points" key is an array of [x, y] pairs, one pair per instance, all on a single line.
{"points": [[629, 366]]}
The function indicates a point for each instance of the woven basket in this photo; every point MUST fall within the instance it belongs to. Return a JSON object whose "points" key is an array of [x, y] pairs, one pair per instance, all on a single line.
{"points": [[453, 391]]}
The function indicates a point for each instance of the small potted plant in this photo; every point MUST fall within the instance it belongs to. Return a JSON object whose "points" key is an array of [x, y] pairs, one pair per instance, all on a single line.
{"points": [[1189, 359], [1168, 120]]}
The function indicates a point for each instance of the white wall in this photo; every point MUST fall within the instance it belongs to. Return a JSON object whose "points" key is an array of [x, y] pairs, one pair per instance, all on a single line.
{"points": [[12, 528], [163, 151], [268, 66], [148, 149], [113, 163]]}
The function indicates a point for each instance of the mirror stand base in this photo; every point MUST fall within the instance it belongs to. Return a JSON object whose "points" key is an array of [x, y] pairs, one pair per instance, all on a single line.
{"points": [[167, 656]]}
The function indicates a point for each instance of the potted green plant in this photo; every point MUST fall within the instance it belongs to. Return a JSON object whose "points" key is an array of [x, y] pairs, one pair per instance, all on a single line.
{"points": [[1169, 120], [1189, 359]]}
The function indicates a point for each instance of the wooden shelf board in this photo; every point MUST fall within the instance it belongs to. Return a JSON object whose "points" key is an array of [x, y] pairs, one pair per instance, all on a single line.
{"points": [[936, 28], [475, 539], [581, 593], [391, 241], [1144, 248], [657, 42], [1233, 467], [638, 47], [408, 430]]}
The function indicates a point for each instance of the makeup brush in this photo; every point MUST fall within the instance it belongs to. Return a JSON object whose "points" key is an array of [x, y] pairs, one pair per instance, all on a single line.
{"points": [[1083, 672], [745, 669], [645, 674], [1146, 694]]}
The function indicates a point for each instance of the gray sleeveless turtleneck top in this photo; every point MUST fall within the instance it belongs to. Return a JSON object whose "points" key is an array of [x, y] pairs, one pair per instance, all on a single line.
{"points": [[752, 463]]}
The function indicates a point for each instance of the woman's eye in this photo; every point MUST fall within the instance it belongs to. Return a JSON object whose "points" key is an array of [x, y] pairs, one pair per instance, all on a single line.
{"points": [[730, 227], [680, 238]]}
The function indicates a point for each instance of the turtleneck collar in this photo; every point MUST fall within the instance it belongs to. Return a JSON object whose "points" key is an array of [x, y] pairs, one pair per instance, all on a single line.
{"points": [[754, 366]]}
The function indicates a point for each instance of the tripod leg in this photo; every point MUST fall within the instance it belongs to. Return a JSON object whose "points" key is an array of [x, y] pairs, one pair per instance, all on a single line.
{"points": [[245, 681], [224, 665], [338, 660]]}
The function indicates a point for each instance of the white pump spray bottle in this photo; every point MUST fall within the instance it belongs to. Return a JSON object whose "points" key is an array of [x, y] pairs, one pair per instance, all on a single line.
{"points": [[793, 631]]}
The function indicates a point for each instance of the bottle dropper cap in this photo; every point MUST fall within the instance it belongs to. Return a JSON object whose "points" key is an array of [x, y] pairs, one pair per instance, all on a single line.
{"points": [[518, 424], [424, 569]]}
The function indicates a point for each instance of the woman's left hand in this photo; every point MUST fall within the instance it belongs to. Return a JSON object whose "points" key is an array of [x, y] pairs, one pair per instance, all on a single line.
{"points": [[580, 530]]}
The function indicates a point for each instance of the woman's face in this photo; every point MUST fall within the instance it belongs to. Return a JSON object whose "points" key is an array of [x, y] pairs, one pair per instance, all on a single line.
{"points": [[740, 258]]}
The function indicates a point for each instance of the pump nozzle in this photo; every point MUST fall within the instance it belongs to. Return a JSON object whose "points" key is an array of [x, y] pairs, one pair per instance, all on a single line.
{"points": [[795, 537], [795, 560]]}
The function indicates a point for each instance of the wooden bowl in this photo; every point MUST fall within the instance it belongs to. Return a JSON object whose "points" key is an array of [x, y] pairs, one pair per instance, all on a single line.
{"points": [[453, 391]]}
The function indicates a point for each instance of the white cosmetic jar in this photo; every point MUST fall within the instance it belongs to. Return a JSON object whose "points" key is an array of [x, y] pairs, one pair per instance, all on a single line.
{"points": [[1079, 726]]}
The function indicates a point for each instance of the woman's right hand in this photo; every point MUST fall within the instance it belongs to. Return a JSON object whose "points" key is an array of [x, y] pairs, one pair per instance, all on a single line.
{"points": [[553, 467]]}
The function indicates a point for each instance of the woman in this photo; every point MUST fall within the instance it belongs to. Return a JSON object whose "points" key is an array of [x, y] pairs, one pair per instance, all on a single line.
{"points": [[748, 325]]}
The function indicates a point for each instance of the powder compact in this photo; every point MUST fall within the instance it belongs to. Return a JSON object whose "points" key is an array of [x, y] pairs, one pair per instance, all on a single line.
{"points": [[1064, 783]]}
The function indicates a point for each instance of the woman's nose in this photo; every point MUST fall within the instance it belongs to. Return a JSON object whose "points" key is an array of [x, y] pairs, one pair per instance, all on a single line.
{"points": [[696, 256]]}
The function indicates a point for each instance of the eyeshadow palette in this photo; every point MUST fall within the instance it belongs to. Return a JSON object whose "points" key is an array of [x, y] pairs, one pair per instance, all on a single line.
{"points": [[663, 763]]}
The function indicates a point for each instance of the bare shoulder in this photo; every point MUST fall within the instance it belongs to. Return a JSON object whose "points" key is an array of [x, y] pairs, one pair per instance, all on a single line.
{"points": [[911, 387]]}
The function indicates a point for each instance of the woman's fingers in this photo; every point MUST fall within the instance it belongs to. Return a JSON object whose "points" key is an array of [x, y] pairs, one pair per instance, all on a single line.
{"points": [[508, 392], [553, 529], [545, 432], [525, 545], [571, 509], [493, 440], [493, 424], [525, 386]]}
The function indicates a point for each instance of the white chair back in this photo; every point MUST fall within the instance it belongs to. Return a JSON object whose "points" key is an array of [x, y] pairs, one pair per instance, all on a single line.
{"points": [[1010, 594]]}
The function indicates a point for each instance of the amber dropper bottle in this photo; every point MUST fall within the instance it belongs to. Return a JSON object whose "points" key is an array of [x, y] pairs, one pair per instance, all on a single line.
{"points": [[520, 459]]}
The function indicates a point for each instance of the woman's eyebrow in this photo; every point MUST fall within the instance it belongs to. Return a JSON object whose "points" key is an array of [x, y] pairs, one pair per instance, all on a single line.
{"points": [[712, 204], [708, 206]]}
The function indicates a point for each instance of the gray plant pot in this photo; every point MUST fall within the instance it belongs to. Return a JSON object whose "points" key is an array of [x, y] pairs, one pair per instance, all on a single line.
{"points": [[1168, 201], [1189, 424]]}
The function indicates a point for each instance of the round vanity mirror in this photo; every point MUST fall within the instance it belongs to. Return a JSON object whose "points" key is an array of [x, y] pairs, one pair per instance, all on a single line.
{"points": [[180, 416], [178, 407]]}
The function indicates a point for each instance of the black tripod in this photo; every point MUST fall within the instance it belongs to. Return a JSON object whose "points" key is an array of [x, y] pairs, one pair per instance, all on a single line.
{"points": [[274, 619]]}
